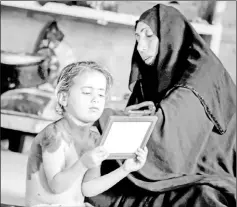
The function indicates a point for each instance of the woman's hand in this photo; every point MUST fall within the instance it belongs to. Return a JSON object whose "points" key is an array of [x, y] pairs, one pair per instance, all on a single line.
{"points": [[133, 110], [93, 158], [136, 163]]}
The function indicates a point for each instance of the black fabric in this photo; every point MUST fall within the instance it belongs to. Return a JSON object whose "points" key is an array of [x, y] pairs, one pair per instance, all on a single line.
{"points": [[187, 164], [192, 149], [184, 60]]}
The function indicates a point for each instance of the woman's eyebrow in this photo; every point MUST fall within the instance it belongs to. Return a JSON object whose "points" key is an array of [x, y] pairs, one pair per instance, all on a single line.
{"points": [[140, 31]]}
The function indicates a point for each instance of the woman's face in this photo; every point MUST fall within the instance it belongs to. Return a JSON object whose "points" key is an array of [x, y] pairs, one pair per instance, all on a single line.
{"points": [[147, 43]]}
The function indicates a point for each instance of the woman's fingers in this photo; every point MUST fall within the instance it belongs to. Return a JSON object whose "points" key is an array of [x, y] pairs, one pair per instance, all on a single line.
{"points": [[152, 109], [145, 104], [140, 105], [138, 113], [134, 109]]}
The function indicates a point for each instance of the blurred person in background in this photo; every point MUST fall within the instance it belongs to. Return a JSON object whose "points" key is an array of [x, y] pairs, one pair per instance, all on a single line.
{"points": [[57, 52]]}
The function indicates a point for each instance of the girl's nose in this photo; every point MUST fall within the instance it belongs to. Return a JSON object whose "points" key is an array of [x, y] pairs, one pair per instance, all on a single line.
{"points": [[95, 99]]}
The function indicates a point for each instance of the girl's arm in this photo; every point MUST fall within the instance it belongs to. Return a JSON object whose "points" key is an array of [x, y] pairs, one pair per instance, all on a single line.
{"points": [[59, 179], [53, 155], [98, 185]]}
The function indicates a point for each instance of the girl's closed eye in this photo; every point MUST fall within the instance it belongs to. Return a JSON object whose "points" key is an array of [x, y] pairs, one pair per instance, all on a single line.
{"points": [[86, 92], [101, 94]]}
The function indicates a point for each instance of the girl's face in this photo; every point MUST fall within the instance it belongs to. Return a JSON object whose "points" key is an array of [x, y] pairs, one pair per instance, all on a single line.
{"points": [[147, 43], [86, 98]]}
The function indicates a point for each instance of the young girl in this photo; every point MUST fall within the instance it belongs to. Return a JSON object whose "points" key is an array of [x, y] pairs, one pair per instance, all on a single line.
{"points": [[64, 162]]}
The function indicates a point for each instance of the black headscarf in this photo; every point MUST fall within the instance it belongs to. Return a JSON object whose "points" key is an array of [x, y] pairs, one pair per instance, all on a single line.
{"points": [[183, 60]]}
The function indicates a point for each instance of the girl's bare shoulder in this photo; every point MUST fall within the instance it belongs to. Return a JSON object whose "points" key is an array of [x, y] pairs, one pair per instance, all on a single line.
{"points": [[53, 136]]}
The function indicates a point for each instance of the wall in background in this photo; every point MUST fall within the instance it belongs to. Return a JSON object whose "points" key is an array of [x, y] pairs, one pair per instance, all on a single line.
{"points": [[228, 43], [111, 45]]}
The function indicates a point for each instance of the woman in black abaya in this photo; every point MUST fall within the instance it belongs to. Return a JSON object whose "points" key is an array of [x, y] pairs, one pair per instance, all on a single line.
{"points": [[192, 153]]}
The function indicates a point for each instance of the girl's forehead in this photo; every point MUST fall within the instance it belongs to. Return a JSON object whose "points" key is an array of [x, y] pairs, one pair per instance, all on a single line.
{"points": [[90, 77], [88, 73]]}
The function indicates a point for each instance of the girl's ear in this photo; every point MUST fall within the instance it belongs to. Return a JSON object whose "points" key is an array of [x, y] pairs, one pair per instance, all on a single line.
{"points": [[63, 99], [107, 96]]}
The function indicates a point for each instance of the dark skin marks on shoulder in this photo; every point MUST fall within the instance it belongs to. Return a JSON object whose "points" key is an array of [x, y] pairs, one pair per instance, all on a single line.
{"points": [[50, 139], [90, 142], [34, 161]]}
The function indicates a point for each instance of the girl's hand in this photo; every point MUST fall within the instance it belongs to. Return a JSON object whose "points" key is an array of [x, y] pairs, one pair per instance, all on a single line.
{"points": [[136, 163], [94, 158]]}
